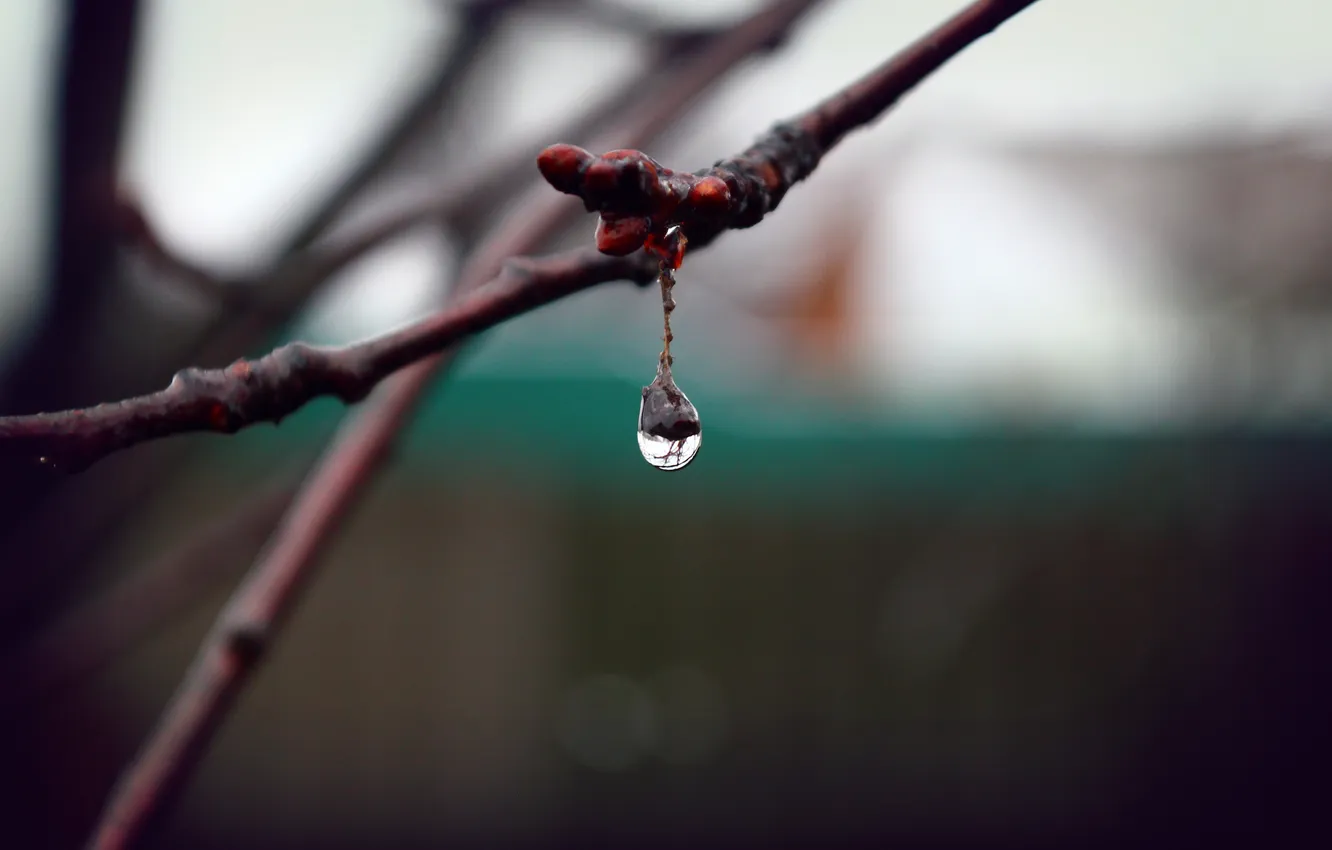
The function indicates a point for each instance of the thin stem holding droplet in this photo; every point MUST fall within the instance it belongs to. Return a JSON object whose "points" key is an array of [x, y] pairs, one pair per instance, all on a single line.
{"points": [[670, 261], [666, 277]]}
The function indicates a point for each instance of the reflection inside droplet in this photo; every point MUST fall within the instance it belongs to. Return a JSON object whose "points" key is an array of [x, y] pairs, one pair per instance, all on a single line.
{"points": [[669, 431], [669, 455]]}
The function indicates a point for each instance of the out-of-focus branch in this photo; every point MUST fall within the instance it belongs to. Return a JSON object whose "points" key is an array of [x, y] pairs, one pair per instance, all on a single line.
{"points": [[248, 623], [638, 197]]}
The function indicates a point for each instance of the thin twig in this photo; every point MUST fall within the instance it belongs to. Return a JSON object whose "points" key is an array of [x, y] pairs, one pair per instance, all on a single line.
{"points": [[247, 625]]}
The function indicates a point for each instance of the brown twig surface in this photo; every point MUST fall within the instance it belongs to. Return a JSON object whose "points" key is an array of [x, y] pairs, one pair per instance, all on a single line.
{"points": [[247, 625]]}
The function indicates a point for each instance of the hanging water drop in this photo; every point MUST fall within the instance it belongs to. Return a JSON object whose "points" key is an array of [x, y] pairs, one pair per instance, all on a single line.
{"points": [[669, 431]]}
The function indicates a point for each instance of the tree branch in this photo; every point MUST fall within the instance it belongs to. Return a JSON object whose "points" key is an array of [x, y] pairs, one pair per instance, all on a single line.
{"points": [[248, 623]]}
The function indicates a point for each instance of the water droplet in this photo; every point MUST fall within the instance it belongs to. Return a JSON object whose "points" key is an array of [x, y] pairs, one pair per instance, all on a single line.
{"points": [[669, 431]]}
